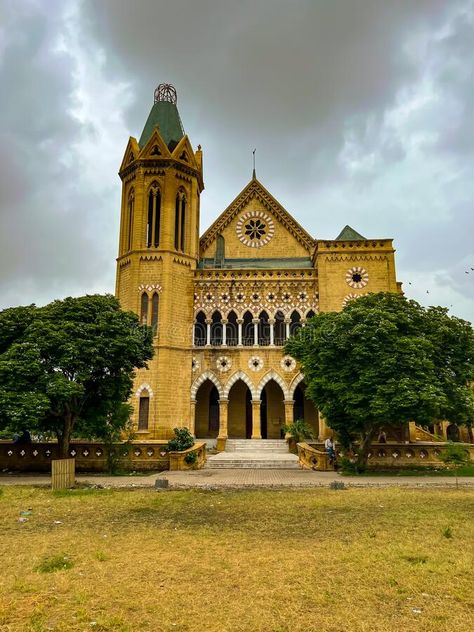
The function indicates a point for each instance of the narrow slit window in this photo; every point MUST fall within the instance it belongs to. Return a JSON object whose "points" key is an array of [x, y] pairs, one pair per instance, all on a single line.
{"points": [[157, 219], [183, 221], [149, 226], [154, 312], [130, 222], [143, 412], [176, 223], [144, 309]]}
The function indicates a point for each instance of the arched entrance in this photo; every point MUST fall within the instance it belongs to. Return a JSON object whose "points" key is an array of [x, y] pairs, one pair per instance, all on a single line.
{"points": [[303, 408], [272, 411], [240, 411], [207, 411]]}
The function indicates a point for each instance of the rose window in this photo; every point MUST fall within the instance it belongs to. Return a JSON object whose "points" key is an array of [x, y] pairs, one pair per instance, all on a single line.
{"points": [[255, 363], [255, 228], [223, 364], [288, 363], [357, 277]]}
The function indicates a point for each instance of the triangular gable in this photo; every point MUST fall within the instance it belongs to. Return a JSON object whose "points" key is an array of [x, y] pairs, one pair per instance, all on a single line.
{"points": [[256, 190], [185, 153], [131, 153], [155, 143]]}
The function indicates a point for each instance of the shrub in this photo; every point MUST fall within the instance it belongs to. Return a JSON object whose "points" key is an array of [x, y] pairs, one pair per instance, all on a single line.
{"points": [[299, 430], [182, 440], [191, 458]]}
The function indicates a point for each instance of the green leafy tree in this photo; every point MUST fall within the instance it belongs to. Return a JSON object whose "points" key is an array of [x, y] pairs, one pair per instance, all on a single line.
{"points": [[385, 361], [456, 456], [67, 368]]}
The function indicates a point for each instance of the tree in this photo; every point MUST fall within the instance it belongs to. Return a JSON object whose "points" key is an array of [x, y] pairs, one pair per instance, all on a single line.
{"points": [[385, 361], [68, 367], [455, 455]]}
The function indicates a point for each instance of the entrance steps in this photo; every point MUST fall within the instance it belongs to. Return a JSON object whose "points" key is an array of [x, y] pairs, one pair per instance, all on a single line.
{"points": [[254, 453], [257, 445]]}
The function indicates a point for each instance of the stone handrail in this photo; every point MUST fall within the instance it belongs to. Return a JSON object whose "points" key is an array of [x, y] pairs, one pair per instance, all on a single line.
{"points": [[312, 458], [178, 459], [384, 455], [90, 456]]}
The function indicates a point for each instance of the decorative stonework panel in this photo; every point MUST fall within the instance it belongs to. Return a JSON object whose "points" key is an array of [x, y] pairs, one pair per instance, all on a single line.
{"points": [[150, 288], [357, 277], [288, 363], [350, 297], [255, 228], [223, 363], [196, 364], [255, 363]]}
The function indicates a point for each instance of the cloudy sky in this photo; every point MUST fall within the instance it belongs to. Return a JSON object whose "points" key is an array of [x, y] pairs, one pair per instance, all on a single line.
{"points": [[362, 113]]}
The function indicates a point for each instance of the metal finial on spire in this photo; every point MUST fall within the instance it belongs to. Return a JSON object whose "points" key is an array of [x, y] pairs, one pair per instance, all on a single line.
{"points": [[166, 92], [254, 174]]}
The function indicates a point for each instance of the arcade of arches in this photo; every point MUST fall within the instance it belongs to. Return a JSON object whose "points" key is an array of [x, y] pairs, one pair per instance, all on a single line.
{"points": [[239, 416]]}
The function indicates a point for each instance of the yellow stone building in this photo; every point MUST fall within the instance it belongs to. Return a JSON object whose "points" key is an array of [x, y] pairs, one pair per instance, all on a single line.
{"points": [[221, 305]]}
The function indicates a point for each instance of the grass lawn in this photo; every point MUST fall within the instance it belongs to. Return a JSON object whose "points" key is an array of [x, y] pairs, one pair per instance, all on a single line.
{"points": [[313, 560]]}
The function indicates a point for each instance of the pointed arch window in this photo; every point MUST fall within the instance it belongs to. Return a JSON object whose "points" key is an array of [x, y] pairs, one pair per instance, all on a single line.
{"points": [[280, 335], [143, 410], [264, 329], [232, 329], [155, 302], [154, 217], [200, 330], [180, 222], [295, 323], [144, 309], [216, 329], [248, 335], [130, 209]]}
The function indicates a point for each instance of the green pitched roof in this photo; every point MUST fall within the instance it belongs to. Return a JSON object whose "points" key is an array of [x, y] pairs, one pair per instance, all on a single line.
{"points": [[349, 234], [166, 116]]}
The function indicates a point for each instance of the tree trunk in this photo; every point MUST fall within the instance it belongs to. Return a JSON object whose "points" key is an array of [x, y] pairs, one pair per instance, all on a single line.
{"points": [[470, 434], [364, 448], [64, 438]]}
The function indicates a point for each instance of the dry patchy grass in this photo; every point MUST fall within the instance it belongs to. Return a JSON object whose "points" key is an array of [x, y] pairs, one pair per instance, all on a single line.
{"points": [[286, 561]]}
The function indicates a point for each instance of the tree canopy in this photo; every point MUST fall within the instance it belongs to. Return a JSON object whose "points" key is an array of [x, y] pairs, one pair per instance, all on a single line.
{"points": [[384, 361], [68, 367]]}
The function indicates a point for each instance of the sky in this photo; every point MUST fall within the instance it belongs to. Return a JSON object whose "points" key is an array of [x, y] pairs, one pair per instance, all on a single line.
{"points": [[361, 111]]}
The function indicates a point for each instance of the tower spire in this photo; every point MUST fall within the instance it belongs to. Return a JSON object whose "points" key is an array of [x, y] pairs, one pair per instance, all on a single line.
{"points": [[254, 173], [165, 115]]}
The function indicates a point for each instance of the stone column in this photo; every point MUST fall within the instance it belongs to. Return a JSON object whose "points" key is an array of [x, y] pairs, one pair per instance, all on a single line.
{"points": [[324, 431], [287, 328], [255, 331], [272, 332], [192, 421], [239, 332], [256, 428], [208, 332], [289, 408], [224, 333], [223, 421], [444, 429]]}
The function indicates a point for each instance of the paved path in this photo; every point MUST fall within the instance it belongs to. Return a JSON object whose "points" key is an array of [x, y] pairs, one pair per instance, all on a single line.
{"points": [[242, 478]]}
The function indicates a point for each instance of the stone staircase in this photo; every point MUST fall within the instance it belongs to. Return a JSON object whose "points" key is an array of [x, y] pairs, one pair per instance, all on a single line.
{"points": [[254, 453]]}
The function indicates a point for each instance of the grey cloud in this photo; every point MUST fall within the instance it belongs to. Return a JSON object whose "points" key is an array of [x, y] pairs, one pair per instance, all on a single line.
{"points": [[297, 80]]}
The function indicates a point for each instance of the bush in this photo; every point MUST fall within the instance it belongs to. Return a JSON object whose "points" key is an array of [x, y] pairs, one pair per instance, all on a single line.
{"points": [[183, 440], [349, 466], [191, 458], [299, 430]]}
